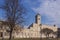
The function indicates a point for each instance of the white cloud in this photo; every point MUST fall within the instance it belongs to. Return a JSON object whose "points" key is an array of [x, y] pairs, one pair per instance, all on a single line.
{"points": [[51, 8]]}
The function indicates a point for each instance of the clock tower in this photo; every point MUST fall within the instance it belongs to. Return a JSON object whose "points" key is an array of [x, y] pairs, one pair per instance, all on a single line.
{"points": [[38, 19]]}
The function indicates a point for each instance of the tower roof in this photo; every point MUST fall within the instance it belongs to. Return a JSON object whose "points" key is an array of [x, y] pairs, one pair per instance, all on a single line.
{"points": [[37, 14]]}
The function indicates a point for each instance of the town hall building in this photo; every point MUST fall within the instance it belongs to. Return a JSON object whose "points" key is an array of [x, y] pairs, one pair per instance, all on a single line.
{"points": [[33, 31]]}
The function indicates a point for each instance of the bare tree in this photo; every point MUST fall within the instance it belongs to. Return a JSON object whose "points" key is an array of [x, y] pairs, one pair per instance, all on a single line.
{"points": [[14, 14]]}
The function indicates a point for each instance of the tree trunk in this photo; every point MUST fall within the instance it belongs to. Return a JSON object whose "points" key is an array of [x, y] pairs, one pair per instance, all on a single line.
{"points": [[2, 35], [10, 38], [48, 37]]}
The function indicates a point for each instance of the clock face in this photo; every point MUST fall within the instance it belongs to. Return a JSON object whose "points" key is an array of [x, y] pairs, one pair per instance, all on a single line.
{"points": [[38, 18]]}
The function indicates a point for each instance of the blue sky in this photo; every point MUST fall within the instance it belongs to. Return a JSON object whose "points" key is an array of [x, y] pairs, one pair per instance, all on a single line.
{"points": [[48, 9]]}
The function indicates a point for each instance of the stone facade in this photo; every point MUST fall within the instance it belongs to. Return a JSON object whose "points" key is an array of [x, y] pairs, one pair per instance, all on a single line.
{"points": [[33, 31]]}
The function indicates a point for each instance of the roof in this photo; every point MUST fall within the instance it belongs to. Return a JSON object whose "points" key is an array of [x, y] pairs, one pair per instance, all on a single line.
{"points": [[37, 14], [30, 26]]}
